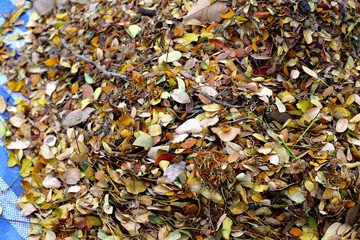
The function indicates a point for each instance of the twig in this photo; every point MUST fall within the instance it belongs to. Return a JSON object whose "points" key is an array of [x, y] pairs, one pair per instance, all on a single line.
{"points": [[293, 45], [19, 221], [217, 101], [107, 73]]}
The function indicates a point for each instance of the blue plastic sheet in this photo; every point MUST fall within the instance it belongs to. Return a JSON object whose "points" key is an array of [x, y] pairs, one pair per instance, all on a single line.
{"points": [[15, 227]]}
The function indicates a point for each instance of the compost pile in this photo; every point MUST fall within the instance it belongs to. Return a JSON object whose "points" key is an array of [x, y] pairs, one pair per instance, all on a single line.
{"points": [[181, 120]]}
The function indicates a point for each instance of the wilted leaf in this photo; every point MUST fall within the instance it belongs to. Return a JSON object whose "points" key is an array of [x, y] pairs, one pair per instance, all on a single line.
{"points": [[19, 144], [331, 231], [77, 116], [180, 96], [228, 135], [308, 35], [189, 126], [170, 57], [226, 228], [341, 125], [297, 232], [88, 78], [135, 186], [2, 104], [144, 140], [204, 11], [262, 14], [310, 72], [134, 30], [51, 182]]}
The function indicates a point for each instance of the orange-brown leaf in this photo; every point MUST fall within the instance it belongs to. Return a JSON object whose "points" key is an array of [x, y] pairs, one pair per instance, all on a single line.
{"points": [[297, 232], [74, 87], [188, 143], [262, 14]]}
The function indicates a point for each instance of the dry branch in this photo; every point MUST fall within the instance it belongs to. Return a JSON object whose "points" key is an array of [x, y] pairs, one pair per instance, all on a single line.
{"points": [[224, 104], [103, 70]]}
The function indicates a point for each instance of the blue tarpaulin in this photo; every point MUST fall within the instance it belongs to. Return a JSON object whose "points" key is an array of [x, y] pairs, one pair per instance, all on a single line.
{"points": [[12, 225]]}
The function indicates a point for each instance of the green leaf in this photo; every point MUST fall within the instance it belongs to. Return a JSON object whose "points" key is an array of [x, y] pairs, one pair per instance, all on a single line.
{"points": [[88, 79], [97, 93], [2, 129], [94, 220], [170, 57], [134, 30], [313, 223], [218, 234], [155, 219], [181, 83], [144, 140]]}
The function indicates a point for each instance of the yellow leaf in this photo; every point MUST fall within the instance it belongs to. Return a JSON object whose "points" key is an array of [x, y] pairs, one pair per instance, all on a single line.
{"points": [[106, 147], [16, 14], [61, 16], [293, 190], [257, 197], [12, 159], [189, 37], [226, 225], [228, 14], [52, 61], [16, 86], [308, 35], [333, 45], [56, 40]]}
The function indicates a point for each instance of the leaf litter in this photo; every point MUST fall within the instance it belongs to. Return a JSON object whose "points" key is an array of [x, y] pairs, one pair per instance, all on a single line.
{"points": [[186, 120]]}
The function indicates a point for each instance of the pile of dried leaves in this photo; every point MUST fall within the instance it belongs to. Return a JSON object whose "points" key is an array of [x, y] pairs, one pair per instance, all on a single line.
{"points": [[171, 120]]}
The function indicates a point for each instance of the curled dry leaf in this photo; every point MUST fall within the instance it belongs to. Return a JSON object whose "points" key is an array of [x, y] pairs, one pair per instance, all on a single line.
{"points": [[180, 96], [51, 182], [208, 90], [17, 120], [189, 126], [28, 209], [203, 10], [228, 135], [173, 171], [2, 104], [19, 144], [46, 152], [50, 140], [77, 116]]}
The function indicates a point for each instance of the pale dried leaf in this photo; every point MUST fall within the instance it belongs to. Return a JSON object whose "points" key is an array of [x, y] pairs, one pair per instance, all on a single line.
{"points": [[72, 176], [203, 11], [341, 125], [281, 107], [173, 171], [51, 182], [2, 104], [77, 116], [189, 126], [28, 209], [310, 72], [180, 96], [226, 136], [19, 144]]}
